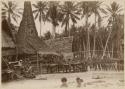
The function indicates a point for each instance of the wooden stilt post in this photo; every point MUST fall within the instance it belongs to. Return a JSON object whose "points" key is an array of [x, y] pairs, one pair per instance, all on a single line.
{"points": [[37, 64], [16, 53]]}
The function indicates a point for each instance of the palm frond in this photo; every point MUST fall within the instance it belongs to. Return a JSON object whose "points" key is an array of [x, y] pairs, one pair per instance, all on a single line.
{"points": [[5, 5], [17, 15], [14, 6], [76, 17], [64, 21], [78, 12], [105, 16], [120, 10], [35, 5], [14, 18], [21, 13], [103, 11], [110, 10], [34, 11], [3, 9], [73, 19], [82, 16]]}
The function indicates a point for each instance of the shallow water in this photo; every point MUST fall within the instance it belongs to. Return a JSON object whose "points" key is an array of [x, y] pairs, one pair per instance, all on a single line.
{"points": [[92, 79]]}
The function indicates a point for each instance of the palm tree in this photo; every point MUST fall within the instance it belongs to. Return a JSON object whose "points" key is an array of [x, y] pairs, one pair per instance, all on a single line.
{"points": [[86, 11], [40, 12], [112, 12], [70, 12], [10, 11], [96, 10], [53, 15]]}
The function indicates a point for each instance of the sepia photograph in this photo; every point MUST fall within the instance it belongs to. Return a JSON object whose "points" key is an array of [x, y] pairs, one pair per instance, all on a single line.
{"points": [[56, 44]]}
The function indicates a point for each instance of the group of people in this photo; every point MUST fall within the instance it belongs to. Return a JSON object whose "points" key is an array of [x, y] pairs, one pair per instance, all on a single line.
{"points": [[86, 65], [79, 82], [106, 65]]}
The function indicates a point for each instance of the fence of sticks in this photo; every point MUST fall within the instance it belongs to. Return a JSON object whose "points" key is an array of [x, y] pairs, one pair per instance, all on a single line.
{"points": [[49, 63], [78, 62]]}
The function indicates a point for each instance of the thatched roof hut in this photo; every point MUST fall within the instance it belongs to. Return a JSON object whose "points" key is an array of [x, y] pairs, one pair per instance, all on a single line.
{"points": [[28, 41], [63, 45], [7, 38], [8, 45]]}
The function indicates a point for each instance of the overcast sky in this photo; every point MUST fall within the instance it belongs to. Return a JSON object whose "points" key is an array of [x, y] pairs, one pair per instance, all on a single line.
{"points": [[48, 26]]}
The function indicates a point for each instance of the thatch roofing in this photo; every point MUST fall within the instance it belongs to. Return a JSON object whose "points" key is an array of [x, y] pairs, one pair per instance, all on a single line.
{"points": [[8, 52], [8, 45], [63, 45], [28, 41], [7, 38]]}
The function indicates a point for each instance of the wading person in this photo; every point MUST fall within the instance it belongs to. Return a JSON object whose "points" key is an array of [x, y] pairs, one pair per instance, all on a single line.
{"points": [[79, 82], [64, 82]]}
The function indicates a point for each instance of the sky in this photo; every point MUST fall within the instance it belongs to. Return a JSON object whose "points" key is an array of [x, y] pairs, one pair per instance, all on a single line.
{"points": [[48, 26]]}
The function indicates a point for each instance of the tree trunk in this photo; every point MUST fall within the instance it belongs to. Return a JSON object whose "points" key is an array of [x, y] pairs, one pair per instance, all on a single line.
{"points": [[9, 18], [106, 43], [84, 48], [102, 44], [88, 41], [112, 50], [38, 63], [66, 32], [99, 22], [16, 53], [94, 38], [40, 28], [108, 51], [53, 31], [68, 29]]}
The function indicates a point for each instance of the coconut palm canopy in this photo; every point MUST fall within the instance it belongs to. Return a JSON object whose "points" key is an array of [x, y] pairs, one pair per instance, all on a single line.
{"points": [[27, 37], [28, 41], [10, 11]]}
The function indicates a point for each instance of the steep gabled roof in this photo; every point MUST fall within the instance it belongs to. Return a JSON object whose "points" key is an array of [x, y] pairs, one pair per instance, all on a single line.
{"points": [[28, 41]]}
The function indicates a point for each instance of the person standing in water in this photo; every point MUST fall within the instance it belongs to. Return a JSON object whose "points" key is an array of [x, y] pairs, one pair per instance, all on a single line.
{"points": [[79, 82], [64, 82]]}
